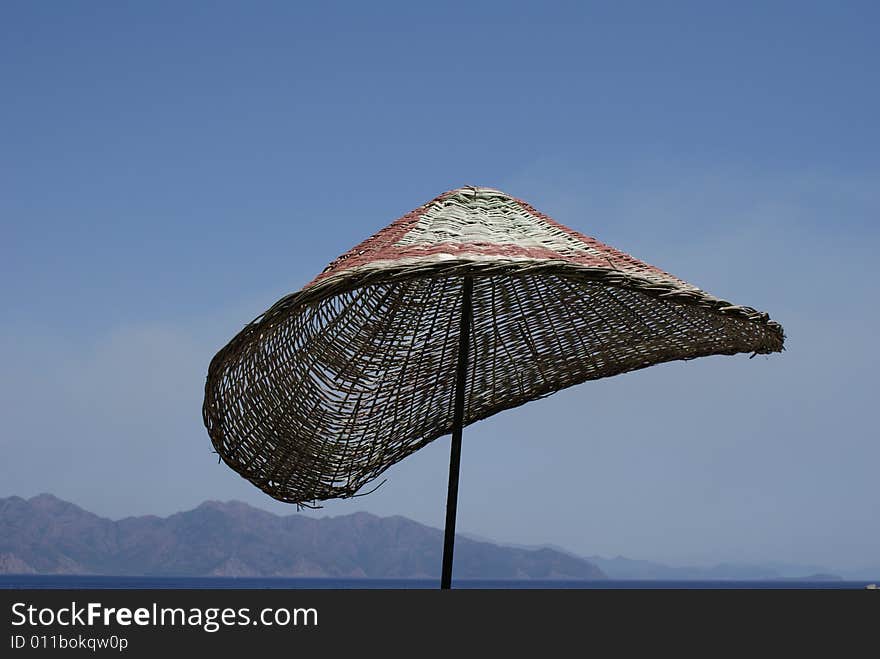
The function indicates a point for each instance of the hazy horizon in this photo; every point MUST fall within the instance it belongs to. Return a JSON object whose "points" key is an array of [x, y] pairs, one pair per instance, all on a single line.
{"points": [[169, 171]]}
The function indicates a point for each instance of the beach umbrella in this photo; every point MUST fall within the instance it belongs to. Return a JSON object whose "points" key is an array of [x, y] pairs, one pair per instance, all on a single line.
{"points": [[471, 304]]}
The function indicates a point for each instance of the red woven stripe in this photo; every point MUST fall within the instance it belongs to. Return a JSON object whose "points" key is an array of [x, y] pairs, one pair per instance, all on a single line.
{"points": [[382, 247], [621, 260], [378, 245]]}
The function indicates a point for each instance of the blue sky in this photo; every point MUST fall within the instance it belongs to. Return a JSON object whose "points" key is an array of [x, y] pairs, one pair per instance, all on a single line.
{"points": [[168, 170]]}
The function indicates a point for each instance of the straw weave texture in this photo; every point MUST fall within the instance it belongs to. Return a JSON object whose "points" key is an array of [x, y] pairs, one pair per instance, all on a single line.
{"points": [[335, 383]]}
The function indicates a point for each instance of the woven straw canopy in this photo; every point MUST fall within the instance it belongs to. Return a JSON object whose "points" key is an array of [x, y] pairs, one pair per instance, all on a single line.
{"points": [[337, 382]]}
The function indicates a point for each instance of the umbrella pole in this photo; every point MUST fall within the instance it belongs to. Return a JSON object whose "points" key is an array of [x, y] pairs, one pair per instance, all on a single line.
{"points": [[457, 422]]}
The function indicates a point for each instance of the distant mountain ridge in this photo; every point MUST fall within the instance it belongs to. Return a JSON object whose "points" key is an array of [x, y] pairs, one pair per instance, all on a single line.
{"points": [[621, 567], [46, 535]]}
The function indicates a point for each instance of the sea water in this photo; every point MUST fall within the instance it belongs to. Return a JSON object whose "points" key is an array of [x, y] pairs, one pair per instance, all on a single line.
{"points": [[75, 582]]}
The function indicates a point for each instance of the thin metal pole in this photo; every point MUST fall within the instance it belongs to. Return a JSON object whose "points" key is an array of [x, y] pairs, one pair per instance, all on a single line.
{"points": [[457, 421]]}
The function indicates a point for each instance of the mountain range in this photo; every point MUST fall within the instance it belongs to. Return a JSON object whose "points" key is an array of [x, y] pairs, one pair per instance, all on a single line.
{"points": [[46, 535]]}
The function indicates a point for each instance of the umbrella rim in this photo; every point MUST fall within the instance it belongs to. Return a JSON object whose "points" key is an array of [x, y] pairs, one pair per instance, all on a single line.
{"points": [[350, 280]]}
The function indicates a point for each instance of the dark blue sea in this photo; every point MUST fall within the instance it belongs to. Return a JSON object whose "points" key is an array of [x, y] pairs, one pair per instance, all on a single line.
{"points": [[106, 582]]}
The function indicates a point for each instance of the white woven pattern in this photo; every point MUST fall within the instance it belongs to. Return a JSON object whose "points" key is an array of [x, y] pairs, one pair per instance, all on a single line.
{"points": [[484, 215]]}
